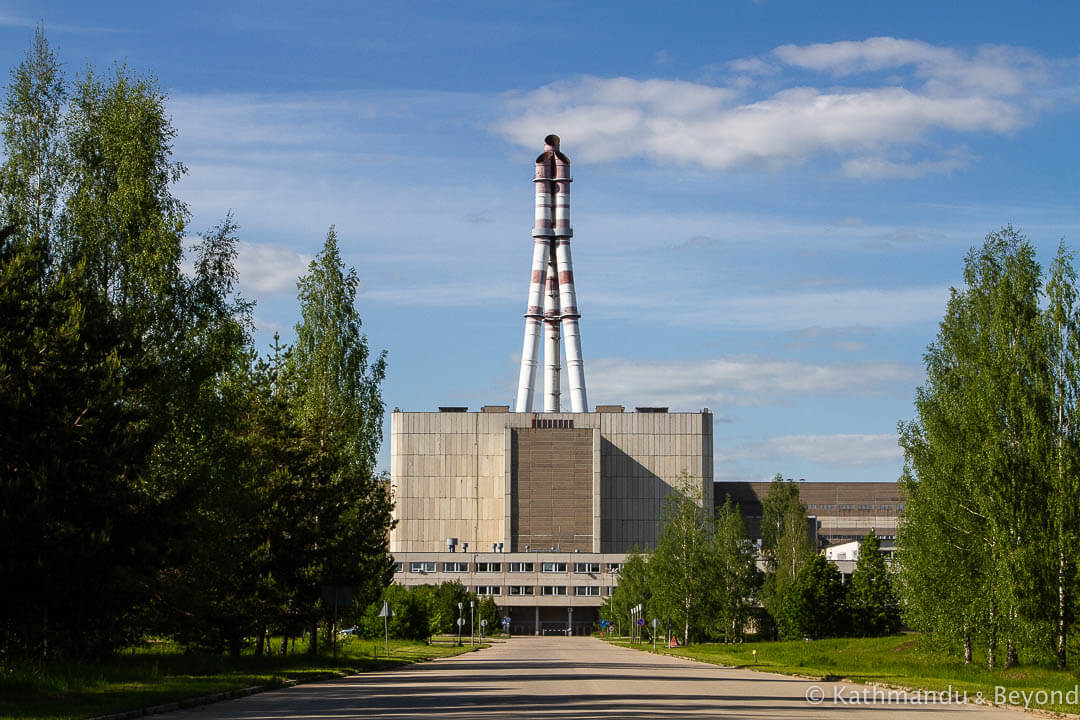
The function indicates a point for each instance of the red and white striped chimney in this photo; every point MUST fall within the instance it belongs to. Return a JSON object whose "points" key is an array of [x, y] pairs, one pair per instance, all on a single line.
{"points": [[552, 283], [534, 313], [575, 367]]}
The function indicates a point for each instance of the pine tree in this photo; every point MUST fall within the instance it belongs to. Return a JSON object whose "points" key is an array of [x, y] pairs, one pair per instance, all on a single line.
{"points": [[816, 602], [875, 608]]}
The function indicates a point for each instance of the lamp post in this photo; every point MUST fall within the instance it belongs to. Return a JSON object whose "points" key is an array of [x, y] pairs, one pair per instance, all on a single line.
{"points": [[460, 622], [472, 606]]}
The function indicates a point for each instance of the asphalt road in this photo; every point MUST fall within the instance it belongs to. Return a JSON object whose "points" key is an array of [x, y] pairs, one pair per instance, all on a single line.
{"points": [[572, 678]]}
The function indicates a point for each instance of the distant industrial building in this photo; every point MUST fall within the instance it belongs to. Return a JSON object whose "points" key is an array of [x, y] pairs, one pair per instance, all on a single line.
{"points": [[538, 509], [842, 511]]}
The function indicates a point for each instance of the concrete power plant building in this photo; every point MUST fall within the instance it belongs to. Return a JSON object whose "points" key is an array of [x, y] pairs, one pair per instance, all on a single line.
{"points": [[538, 509]]}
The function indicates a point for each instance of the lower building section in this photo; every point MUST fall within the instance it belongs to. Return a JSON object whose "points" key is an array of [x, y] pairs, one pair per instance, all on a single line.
{"points": [[543, 593], [552, 620]]}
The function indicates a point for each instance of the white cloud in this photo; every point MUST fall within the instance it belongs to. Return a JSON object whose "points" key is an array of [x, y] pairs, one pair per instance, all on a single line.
{"points": [[269, 268], [846, 450], [994, 69], [752, 66], [739, 381], [771, 311], [686, 123], [880, 168]]}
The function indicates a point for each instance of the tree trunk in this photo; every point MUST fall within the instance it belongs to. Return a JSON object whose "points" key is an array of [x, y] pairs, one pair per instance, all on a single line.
{"points": [[313, 648], [992, 645], [284, 645], [259, 642], [1011, 658], [235, 643], [967, 648], [1061, 610]]}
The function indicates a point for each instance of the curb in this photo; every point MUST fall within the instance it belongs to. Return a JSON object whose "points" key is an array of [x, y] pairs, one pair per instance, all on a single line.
{"points": [[215, 697]]}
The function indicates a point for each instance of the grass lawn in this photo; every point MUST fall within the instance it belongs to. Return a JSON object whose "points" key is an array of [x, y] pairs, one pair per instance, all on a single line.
{"points": [[909, 661], [163, 674]]}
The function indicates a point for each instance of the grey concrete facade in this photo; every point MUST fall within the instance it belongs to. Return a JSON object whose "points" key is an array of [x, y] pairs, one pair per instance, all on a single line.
{"points": [[542, 507], [487, 477]]}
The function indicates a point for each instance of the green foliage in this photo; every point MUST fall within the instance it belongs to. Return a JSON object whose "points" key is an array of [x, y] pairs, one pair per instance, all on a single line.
{"points": [[735, 579], [443, 606], [989, 483], [785, 543], [816, 605], [679, 567], [410, 619], [148, 457], [875, 608], [488, 610], [634, 588], [86, 368]]}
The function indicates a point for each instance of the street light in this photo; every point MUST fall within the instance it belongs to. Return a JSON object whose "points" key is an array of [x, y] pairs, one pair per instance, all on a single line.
{"points": [[460, 622], [471, 623]]}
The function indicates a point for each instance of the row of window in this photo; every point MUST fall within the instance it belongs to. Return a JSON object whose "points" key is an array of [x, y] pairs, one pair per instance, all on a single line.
{"points": [[547, 590], [428, 566], [849, 506]]}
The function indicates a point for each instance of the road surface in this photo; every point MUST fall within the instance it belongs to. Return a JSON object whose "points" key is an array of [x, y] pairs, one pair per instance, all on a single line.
{"points": [[570, 678]]}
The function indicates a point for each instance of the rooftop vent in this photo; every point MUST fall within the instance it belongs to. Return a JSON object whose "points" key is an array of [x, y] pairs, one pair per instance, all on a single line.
{"points": [[495, 408], [452, 408], [650, 409], [610, 408]]}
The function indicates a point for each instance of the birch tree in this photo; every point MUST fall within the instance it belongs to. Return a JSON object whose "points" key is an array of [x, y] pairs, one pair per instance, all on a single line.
{"points": [[979, 445], [785, 543], [679, 567], [1063, 355]]}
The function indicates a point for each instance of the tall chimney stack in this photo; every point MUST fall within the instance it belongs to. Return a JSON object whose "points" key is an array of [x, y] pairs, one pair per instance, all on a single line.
{"points": [[552, 298]]}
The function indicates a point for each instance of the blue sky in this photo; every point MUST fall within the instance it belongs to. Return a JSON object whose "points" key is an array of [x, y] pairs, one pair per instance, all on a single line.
{"points": [[771, 199]]}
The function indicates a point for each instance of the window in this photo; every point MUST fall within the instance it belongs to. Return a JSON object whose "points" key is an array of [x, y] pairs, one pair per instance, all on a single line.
{"points": [[826, 507], [399, 567], [587, 590], [422, 567], [553, 567], [884, 507], [520, 590], [609, 590], [586, 567], [551, 423], [455, 567], [521, 567], [846, 507], [866, 507], [553, 589], [614, 567], [488, 567], [488, 590]]}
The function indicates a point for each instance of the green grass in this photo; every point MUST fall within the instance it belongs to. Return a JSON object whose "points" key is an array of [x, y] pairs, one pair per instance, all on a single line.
{"points": [[163, 673], [908, 661]]}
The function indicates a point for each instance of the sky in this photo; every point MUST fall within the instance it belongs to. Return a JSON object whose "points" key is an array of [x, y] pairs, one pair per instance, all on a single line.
{"points": [[770, 200]]}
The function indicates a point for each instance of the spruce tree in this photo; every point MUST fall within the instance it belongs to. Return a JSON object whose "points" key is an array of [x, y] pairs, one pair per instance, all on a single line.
{"points": [[875, 608]]}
